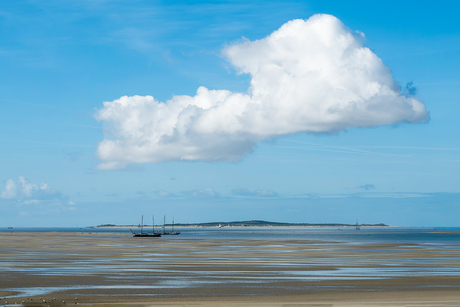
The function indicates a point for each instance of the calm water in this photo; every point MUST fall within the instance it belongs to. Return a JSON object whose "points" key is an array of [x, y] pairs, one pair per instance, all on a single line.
{"points": [[331, 234]]}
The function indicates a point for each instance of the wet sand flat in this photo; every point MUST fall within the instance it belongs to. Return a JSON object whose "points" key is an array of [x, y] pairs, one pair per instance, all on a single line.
{"points": [[102, 268]]}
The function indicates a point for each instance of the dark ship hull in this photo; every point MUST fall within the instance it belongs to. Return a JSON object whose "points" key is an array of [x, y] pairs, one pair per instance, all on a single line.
{"points": [[146, 235]]}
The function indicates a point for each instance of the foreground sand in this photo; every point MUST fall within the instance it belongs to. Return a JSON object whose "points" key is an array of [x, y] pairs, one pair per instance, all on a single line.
{"points": [[438, 298], [116, 269]]}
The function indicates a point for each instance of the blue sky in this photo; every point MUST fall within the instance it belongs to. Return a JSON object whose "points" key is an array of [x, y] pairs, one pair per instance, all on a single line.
{"points": [[60, 61]]}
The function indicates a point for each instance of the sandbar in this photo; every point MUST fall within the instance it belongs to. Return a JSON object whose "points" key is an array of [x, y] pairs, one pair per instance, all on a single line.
{"points": [[115, 269]]}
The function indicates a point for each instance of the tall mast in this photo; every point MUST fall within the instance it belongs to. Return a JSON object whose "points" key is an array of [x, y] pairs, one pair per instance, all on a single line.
{"points": [[142, 223], [153, 224], [164, 224]]}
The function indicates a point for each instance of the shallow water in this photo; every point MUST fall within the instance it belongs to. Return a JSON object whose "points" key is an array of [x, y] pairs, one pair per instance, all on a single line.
{"points": [[249, 259], [347, 235]]}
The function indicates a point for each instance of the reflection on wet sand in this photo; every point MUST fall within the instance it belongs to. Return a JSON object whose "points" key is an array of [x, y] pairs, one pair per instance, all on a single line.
{"points": [[114, 268]]}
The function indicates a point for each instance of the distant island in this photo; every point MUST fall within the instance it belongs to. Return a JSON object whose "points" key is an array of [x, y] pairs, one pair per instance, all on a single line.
{"points": [[257, 223]]}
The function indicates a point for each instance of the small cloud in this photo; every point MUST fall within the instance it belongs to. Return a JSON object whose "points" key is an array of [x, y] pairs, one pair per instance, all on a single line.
{"points": [[199, 193], [112, 165], [172, 178], [254, 193], [31, 202], [204, 193], [10, 190], [367, 187], [167, 56], [135, 39], [24, 192], [163, 194]]}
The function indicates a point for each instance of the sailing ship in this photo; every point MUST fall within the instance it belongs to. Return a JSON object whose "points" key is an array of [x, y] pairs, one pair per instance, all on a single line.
{"points": [[143, 234], [172, 231]]}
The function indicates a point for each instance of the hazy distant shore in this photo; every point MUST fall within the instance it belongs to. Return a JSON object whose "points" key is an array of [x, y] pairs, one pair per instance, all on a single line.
{"points": [[253, 223]]}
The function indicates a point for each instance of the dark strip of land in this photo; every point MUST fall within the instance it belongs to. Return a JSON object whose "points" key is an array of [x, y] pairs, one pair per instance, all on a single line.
{"points": [[260, 224]]}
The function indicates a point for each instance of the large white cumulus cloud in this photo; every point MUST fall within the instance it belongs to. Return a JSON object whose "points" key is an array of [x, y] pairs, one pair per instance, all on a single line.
{"points": [[311, 75]]}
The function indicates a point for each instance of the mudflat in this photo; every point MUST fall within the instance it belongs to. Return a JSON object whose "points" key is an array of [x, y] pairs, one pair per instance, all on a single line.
{"points": [[58, 269]]}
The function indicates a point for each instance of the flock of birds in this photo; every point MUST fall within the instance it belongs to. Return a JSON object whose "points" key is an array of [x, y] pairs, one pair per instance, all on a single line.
{"points": [[41, 299]]}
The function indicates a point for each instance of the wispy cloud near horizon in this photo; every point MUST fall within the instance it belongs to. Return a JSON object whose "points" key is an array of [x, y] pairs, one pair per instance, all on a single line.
{"points": [[24, 192], [254, 193], [197, 193]]}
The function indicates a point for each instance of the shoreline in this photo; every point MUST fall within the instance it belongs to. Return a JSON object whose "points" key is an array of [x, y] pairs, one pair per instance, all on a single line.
{"points": [[251, 223]]}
